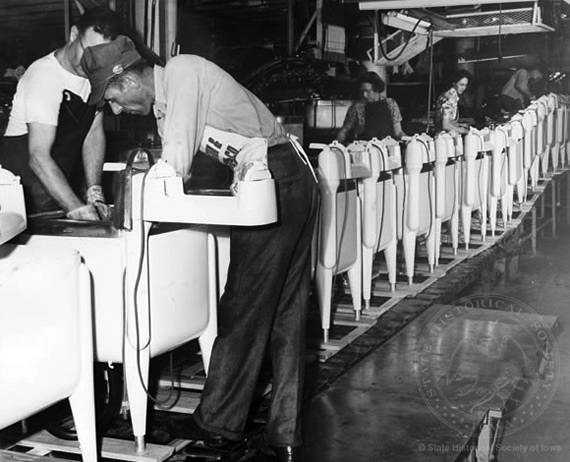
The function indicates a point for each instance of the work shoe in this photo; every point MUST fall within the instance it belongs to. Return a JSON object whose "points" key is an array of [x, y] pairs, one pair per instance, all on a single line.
{"points": [[266, 452], [186, 428]]}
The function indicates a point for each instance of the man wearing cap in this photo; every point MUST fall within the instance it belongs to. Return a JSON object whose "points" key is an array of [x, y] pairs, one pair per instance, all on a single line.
{"points": [[52, 132], [199, 107]]}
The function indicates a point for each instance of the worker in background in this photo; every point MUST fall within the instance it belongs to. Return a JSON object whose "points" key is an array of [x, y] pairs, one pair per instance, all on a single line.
{"points": [[446, 114], [375, 116], [518, 92], [199, 107], [52, 131]]}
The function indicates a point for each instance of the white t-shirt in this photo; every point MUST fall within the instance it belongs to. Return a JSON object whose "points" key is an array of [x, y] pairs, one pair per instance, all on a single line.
{"points": [[40, 92]]}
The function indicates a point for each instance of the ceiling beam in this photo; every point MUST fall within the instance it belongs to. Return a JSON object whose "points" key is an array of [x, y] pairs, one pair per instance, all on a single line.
{"points": [[403, 4], [436, 20]]}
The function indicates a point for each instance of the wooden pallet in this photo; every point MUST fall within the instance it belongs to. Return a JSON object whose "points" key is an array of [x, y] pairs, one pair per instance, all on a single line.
{"points": [[13, 456], [44, 443]]}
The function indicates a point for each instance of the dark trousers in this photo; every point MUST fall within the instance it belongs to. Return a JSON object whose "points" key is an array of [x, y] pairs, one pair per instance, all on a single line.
{"points": [[264, 305]]}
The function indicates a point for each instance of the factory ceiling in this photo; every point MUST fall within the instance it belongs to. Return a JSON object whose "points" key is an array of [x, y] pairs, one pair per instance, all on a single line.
{"points": [[22, 19], [221, 26]]}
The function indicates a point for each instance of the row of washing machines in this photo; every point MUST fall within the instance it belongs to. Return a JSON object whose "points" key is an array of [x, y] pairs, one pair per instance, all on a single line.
{"points": [[378, 193], [73, 293]]}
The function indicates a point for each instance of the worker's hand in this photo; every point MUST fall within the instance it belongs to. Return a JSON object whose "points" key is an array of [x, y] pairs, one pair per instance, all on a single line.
{"points": [[96, 198], [464, 129], [85, 212]]}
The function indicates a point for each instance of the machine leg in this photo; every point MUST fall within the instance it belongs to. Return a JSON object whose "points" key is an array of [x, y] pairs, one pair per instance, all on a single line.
{"points": [[82, 400], [483, 212], [391, 255], [323, 280], [522, 186], [137, 333], [437, 244], [140, 444], [355, 282], [568, 196], [367, 264], [492, 215], [533, 231], [206, 340], [431, 247], [542, 209], [508, 199], [532, 176], [454, 225], [136, 375], [559, 191], [554, 156], [466, 220], [409, 243], [545, 160], [553, 201]]}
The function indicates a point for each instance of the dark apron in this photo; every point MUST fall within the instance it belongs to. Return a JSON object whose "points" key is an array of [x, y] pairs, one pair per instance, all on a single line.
{"points": [[377, 121], [74, 121]]}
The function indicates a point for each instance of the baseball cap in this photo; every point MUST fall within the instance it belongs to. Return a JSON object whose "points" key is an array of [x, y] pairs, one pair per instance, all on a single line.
{"points": [[104, 61]]}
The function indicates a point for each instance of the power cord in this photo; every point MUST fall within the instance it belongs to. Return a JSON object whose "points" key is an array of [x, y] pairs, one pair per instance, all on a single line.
{"points": [[138, 348], [408, 40]]}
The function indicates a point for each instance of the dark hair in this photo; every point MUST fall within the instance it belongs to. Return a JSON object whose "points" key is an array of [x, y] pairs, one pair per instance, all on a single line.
{"points": [[458, 75], [373, 79], [538, 68], [103, 21]]}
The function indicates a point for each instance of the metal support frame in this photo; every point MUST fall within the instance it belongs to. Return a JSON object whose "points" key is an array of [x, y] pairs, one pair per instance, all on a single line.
{"points": [[533, 231], [306, 31], [320, 30], [547, 212], [567, 198], [553, 205], [403, 4]]}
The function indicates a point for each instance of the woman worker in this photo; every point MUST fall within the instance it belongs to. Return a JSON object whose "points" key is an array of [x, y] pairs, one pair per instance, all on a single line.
{"points": [[446, 110], [375, 116]]}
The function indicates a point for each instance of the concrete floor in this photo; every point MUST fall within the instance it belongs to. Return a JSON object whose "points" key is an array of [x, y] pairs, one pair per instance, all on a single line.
{"points": [[377, 411]]}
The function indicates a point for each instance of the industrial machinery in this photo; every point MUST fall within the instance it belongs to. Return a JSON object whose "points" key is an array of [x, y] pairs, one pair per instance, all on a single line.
{"points": [[530, 123], [155, 274], [46, 342], [477, 148], [416, 201], [509, 136], [498, 170], [559, 148], [518, 175], [448, 165], [339, 228], [12, 207], [379, 230], [542, 147]]}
